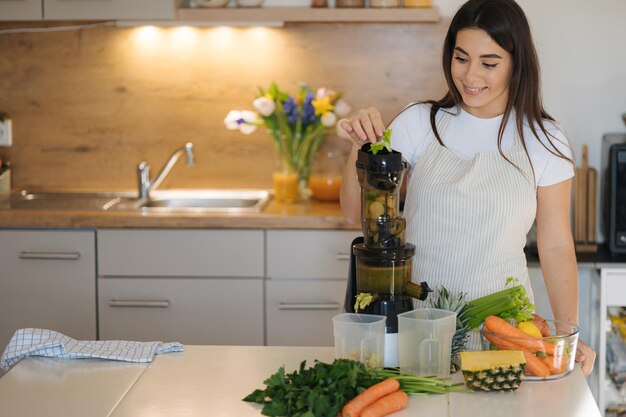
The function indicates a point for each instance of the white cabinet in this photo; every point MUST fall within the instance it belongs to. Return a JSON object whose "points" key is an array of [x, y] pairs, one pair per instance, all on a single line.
{"points": [[86, 9], [21, 9], [48, 280], [307, 272], [191, 286], [108, 9]]}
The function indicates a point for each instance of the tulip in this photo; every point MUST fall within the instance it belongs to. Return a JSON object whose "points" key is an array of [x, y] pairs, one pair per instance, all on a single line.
{"points": [[342, 108], [328, 119], [264, 105]]}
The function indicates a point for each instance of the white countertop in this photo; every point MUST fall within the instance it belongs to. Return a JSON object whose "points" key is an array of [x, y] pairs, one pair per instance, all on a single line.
{"points": [[212, 380]]}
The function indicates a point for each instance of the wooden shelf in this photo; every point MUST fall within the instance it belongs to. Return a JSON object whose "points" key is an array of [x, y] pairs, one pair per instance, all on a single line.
{"points": [[307, 14]]}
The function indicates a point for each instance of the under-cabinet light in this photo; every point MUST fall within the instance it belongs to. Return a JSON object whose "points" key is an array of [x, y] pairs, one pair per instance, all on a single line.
{"points": [[133, 23]]}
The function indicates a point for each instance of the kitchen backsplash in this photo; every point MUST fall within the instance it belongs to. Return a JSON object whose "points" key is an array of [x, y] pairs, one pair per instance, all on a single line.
{"points": [[88, 105]]}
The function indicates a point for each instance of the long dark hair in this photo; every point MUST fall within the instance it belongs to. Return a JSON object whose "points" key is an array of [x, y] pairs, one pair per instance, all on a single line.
{"points": [[505, 22]]}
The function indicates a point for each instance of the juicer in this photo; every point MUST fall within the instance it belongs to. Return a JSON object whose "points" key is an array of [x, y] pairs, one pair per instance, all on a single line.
{"points": [[381, 261]]}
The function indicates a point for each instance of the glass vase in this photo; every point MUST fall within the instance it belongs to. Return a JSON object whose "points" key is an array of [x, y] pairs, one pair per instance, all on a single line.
{"points": [[325, 179]]}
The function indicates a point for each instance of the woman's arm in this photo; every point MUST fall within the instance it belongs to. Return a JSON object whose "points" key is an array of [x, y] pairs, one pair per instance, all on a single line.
{"points": [[558, 258]]}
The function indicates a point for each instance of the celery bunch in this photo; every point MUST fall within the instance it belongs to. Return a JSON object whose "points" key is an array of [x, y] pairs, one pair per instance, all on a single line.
{"points": [[511, 303]]}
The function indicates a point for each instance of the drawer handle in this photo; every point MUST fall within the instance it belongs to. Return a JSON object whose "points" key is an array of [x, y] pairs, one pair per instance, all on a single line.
{"points": [[305, 306], [50, 255], [139, 303], [342, 256]]}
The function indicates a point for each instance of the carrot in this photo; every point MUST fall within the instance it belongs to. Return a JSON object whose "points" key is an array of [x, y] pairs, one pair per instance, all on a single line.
{"points": [[388, 404], [498, 340], [506, 329], [535, 366], [377, 391], [552, 362]]}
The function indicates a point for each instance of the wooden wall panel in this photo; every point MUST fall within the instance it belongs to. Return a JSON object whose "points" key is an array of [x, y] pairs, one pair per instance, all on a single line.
{"points": [[88, 105]]}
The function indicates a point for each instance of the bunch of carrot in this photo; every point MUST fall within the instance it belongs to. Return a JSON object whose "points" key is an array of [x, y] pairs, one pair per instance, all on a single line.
{"points": [[543, 358], [378, 400]]}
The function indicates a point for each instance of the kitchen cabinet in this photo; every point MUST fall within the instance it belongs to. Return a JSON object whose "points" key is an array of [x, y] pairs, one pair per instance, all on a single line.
{"points": [[21, 9], [190, 286], [307, 272], [85, 9], [48, 280]]}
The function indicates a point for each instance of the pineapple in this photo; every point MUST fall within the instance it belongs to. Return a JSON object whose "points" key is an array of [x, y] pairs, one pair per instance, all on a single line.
{"points": [[493, 370], [443, 300]]}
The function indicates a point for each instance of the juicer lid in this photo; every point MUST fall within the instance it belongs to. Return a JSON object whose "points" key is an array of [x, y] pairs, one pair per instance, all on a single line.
{"points": [[384, 254], [382, 162]]}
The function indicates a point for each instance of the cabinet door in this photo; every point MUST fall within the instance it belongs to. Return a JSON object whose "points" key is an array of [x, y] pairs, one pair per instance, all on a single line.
{"points": [[108, 9], [309, 253], [167, 253], [188, 310], [300, 312], [48, 280], [21, 10]]}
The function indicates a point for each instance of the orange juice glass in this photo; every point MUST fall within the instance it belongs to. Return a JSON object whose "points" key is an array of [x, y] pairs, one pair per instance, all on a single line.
{"points": [[285, 186]]}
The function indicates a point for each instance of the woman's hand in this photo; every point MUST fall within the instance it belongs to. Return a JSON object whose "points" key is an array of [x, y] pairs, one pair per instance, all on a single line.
{"points": [[586, 356], [366, 126]]}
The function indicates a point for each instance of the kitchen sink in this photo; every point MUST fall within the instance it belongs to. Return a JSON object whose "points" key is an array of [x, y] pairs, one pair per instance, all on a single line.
{"points": [[202, 200], [206, 200], [63, 200]]}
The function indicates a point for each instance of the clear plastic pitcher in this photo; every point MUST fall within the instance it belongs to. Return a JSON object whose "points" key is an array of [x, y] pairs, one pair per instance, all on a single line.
{"points": [[425, 341], [360, 337]]}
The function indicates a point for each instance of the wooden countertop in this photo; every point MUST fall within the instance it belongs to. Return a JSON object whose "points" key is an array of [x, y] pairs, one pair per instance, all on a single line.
{"points": [[212, 380], [306, 215]]}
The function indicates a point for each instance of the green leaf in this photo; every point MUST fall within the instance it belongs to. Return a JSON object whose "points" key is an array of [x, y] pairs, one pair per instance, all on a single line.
{"points": [[383, 143], [256, 396]]}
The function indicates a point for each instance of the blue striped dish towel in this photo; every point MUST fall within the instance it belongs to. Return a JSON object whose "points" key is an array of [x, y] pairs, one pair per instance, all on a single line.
{"points": [[51, 344]]}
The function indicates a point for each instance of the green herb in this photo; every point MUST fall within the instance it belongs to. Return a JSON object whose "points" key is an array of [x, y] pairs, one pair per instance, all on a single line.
{"points": [[324, 389], [383, 143], [412, 384], [511, 303], [321, 390]]}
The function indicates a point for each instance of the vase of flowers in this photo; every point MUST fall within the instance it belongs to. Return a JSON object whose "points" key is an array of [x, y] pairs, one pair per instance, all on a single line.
{"points": [[297, 124]]}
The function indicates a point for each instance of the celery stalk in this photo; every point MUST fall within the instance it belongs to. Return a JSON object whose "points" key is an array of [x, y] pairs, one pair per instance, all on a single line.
{"points": [[509, 303]]}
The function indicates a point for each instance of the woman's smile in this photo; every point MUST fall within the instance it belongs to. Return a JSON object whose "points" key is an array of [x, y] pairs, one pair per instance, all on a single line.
{"points": [[473, 90]]}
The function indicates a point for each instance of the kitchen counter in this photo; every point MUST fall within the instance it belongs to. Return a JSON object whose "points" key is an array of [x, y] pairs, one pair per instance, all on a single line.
{"points": [[212, 380], [306, 215]]}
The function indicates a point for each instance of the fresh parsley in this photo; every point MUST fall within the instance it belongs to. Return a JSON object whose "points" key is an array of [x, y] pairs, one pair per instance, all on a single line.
{"points": [[383, 143], [318, 391]]}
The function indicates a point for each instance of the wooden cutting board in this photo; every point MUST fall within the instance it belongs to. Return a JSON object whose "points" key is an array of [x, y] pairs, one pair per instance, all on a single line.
{"points": [[585, 205]]}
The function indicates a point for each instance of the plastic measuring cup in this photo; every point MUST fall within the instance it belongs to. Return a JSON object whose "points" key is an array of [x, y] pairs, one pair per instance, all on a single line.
{"points": [[425, 341], [360, 337]]}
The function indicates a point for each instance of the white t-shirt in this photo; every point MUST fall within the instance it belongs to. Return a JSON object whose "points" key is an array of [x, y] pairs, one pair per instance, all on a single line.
{"points": [[468, 135]]}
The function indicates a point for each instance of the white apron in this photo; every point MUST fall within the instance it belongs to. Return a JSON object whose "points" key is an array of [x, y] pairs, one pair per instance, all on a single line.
{"points": [[468, 219]]}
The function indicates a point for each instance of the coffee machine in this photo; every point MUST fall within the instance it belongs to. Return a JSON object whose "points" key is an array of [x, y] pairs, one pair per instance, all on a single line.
{"points": [[381, 261]]}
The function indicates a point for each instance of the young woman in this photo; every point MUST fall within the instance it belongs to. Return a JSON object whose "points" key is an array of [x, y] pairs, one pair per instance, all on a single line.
{"points": [[486, 161]]}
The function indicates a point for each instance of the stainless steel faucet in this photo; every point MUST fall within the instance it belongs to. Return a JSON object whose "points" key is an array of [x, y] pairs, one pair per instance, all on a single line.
{"points": [[143, 170]]}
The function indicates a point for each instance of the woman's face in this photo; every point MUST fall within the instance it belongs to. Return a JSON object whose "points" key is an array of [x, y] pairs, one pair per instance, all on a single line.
{"points": [[481, 71]]}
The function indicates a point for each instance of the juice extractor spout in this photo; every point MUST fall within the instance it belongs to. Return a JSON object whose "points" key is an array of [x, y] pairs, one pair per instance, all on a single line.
{"points": [[418, 291]]}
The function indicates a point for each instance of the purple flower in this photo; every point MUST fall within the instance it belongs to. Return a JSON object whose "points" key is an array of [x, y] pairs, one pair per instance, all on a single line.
{"points": [[291, 110], [308, 111]]}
